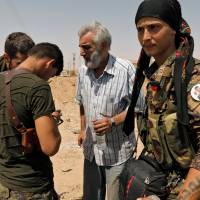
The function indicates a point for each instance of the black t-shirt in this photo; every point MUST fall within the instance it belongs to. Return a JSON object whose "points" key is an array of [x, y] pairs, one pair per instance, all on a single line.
{"points": [[31, 98]]}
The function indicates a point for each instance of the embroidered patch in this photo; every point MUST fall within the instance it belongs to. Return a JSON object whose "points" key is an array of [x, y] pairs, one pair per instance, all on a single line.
{"points": [[195, 92]]}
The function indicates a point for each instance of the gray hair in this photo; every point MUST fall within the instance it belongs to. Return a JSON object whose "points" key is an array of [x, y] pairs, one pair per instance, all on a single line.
{"points": [[102, 33]]}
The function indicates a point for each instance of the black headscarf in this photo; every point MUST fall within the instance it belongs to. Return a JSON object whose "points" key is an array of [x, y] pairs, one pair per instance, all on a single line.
{"points": [[167, 10]]}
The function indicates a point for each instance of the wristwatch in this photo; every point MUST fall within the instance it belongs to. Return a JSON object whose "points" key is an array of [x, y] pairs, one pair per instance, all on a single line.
{"points": [[113, 123]]}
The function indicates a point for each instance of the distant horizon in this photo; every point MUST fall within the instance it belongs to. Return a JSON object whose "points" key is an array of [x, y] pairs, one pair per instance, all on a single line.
{"points": [[59, 21]]}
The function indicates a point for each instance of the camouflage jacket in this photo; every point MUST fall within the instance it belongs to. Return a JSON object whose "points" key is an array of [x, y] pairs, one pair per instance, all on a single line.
{"points": [[163, 137]]}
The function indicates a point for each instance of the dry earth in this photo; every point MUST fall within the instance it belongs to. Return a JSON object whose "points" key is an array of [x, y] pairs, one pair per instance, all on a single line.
{"points": [[68, 162]]}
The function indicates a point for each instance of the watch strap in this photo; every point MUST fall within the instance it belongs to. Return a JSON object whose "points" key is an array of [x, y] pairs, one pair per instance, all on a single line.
{"points": [[113, 123]]}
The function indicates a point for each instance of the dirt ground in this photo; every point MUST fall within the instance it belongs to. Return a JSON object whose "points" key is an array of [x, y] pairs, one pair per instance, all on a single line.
{"points": [[68, 162]]}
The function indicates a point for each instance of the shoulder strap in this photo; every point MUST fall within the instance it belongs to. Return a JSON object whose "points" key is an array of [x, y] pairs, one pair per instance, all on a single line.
{"points": [[139, 80], [180, 87], [183, 65], [15, 121]]}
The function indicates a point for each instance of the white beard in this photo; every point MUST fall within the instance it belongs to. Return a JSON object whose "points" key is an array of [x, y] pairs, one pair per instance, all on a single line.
{"points": [[94, 62]]}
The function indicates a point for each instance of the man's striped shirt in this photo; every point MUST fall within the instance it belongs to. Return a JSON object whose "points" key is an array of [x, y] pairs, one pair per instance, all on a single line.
{"points": [[108, 96]]}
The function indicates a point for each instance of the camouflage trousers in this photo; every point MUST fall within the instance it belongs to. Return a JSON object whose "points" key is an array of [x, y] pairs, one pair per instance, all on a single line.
{"points": [[7, 194]]}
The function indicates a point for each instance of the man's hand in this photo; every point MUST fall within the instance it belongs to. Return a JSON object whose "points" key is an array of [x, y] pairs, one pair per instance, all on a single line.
{"points": [[102, 126], [81, 138], [57, 116], [191, 188]]}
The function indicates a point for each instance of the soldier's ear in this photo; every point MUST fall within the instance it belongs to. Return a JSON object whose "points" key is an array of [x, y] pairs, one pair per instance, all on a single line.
{"points": [[51, 62], [173, 32]]}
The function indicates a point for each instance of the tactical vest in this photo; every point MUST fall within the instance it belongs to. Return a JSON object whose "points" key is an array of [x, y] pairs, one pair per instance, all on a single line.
{"points": [[168, 140]]}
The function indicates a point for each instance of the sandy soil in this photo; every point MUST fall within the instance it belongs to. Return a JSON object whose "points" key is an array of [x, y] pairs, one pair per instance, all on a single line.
{"points": [[68, 162]]}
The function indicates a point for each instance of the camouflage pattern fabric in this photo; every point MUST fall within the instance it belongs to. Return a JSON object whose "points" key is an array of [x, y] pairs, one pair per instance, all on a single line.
{"points": [[194, 112], [164, 138], [161, 125], [6, 194]]}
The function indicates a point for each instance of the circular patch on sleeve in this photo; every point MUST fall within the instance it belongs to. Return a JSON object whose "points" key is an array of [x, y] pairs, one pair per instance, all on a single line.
{"points": [[195, 92]]}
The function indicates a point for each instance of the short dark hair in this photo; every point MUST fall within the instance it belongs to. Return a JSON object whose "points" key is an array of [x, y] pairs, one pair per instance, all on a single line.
{"points": [[49, 50], [18, 42]]}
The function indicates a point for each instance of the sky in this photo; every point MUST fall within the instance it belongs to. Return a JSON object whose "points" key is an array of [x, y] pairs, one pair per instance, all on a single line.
{"points": [[58, 21]]}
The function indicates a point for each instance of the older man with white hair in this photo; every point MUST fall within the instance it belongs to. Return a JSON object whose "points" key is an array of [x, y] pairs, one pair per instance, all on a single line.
{"points": [[103, 91]]}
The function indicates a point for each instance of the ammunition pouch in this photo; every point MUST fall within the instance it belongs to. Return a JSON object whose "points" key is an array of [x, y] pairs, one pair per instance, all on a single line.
{"points": [[160, 129]]}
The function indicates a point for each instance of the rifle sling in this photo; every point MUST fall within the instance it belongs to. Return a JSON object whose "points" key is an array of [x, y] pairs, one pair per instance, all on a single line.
{"points": [[14, 119]]}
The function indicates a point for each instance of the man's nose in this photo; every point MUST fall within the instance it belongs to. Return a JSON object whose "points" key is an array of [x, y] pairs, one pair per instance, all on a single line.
{"points": [[146, 35], [82, 52]]}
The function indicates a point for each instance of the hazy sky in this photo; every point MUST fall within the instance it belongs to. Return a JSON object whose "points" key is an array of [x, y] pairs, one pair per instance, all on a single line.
{"points": [[58, 21]]}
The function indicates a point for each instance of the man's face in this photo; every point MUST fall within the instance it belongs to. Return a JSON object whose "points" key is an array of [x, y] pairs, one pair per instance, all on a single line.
{"points": [[156, 37], [14, 62], [89, 50], [45, 68], [50, 73]]}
